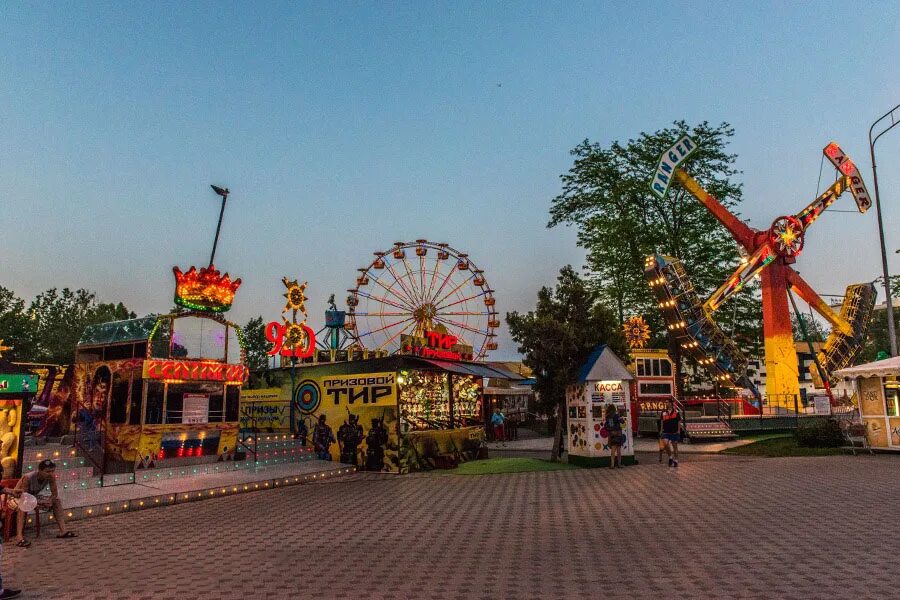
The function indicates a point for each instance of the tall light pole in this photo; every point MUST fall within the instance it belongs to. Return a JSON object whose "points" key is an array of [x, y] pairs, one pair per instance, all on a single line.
{"points": [[224, 193], [889, 303]]}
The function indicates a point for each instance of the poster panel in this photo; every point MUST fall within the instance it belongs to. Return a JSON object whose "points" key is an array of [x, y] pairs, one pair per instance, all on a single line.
{"points": [[195, 408], [371, 398], [266, 410]]}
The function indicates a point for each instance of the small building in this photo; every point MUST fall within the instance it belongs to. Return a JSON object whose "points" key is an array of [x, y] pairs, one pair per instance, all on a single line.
{"points": [[152, 391], [515, 398], [602, 380], [877, 392], [431, 410]]}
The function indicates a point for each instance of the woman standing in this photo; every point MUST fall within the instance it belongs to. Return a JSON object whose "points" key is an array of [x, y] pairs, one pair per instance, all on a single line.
{"points": [[671, 431], [613, 423]]}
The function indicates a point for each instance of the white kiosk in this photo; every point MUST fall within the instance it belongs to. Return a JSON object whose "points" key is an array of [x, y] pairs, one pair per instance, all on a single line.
{"points": [[602, 380]]}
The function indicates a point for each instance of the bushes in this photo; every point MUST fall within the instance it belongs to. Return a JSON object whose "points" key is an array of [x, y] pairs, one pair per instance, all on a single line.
{"points": [[819, 434]]}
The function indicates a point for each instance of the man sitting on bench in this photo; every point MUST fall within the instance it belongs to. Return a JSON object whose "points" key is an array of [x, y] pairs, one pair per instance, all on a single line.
{"points": [[42, 485]]}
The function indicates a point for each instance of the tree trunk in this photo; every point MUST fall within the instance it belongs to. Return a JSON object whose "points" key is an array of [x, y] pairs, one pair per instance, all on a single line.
{"points": [[557, 435]]}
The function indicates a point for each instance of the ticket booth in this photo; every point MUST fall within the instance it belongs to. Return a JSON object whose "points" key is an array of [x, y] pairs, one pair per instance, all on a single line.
{"points": [[602, 381], [877, 396]]}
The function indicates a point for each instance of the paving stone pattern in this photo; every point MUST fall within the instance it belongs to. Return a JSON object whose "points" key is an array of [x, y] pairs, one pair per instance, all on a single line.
{"points": [[719, 527]]}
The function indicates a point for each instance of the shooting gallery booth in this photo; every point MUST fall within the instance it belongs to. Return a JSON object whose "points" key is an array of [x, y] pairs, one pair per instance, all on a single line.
{"points": [[430, 409]]}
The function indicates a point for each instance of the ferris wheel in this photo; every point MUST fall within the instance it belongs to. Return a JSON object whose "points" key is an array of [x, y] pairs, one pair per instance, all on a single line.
{"points": [[422, 286]]}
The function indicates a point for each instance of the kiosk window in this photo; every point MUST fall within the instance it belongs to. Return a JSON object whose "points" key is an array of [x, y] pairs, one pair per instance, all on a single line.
{"points": [[232, 400], [216, 407], [654, 367], [892, 399], [655, 389], [156, 394], [118, 402], [137, 404], [194, 402]]}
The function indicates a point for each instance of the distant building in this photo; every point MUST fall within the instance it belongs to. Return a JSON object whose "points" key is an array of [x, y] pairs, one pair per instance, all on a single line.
{"points": [[515, 399]]}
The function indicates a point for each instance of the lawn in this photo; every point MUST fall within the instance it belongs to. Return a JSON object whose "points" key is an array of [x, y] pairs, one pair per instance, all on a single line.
{"points": [[780, 445], [493, 466]]}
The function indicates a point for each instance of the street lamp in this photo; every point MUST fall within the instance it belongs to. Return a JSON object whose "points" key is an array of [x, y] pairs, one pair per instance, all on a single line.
{"points": [[224, 193], [889, 304]]}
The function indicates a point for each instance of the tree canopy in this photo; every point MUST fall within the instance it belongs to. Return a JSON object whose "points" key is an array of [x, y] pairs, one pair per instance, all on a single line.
{"points": [[606, 196], [558, 336], [47, 330], [256, 344]]}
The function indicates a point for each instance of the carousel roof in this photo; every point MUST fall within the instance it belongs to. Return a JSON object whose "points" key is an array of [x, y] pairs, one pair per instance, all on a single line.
{"points": [[879, 368], [603, 365], [117, 332]]}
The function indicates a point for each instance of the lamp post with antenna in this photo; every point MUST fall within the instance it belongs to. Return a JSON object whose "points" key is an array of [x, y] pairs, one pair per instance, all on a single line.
{"points": [[224, 193], [889, 303]]}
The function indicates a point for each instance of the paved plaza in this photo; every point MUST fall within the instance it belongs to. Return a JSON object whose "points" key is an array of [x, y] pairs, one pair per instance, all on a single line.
{"points": [[719, 527]]}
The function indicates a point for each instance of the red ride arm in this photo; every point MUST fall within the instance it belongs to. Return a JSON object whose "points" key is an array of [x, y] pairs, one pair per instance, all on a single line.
{"points": [[740, 230], [812, 298]]}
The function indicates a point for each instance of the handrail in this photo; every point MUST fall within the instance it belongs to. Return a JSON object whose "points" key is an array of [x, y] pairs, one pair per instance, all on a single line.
{"points": [[87, 453], [255, 449]]}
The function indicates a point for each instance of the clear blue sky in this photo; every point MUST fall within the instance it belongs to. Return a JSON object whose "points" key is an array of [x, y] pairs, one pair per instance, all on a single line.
{"points": [[343, 128]]}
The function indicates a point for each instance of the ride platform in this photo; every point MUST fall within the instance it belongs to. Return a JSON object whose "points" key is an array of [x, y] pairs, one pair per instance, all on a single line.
{"points": [[85, 496]]}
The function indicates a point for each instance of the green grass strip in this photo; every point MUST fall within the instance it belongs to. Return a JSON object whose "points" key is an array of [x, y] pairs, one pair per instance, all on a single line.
{"points": [[495, 466]]}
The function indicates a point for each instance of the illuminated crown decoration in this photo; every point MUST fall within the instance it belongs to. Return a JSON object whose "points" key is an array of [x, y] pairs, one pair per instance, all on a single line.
{"points": [[204, 290]]}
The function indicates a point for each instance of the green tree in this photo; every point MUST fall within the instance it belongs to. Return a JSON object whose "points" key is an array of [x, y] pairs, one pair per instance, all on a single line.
{"points": [[59, 319], [558, 336], [877, 340], [814, 329], [606, 195], [256, 344], [16, 328]]}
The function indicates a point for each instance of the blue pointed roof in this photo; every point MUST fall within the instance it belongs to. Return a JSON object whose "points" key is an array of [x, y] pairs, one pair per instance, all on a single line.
{"points": [[603, 365]]}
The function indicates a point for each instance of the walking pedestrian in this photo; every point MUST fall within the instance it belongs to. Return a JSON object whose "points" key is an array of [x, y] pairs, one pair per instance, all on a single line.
{"points": [[671, 431], [613, 423], [498, 419]]}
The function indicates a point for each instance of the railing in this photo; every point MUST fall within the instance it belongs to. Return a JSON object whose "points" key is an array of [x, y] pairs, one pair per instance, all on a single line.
{"points": [[176, 417], [254, 450], [723, 412], [89, 443], [769, 413]]}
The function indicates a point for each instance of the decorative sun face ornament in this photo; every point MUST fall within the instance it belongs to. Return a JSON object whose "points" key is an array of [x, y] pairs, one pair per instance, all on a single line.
{"points": [[637, 332], [296, 296], [292, 338], [294, 335], [786, 236]]}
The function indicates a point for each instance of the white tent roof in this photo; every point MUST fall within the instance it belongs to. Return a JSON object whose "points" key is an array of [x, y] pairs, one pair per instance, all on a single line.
{"points": [[879, 368]]}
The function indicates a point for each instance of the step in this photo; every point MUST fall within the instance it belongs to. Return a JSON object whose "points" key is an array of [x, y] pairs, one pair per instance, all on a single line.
{"points": [[176, 472], [129, 498], [708, 430]]}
